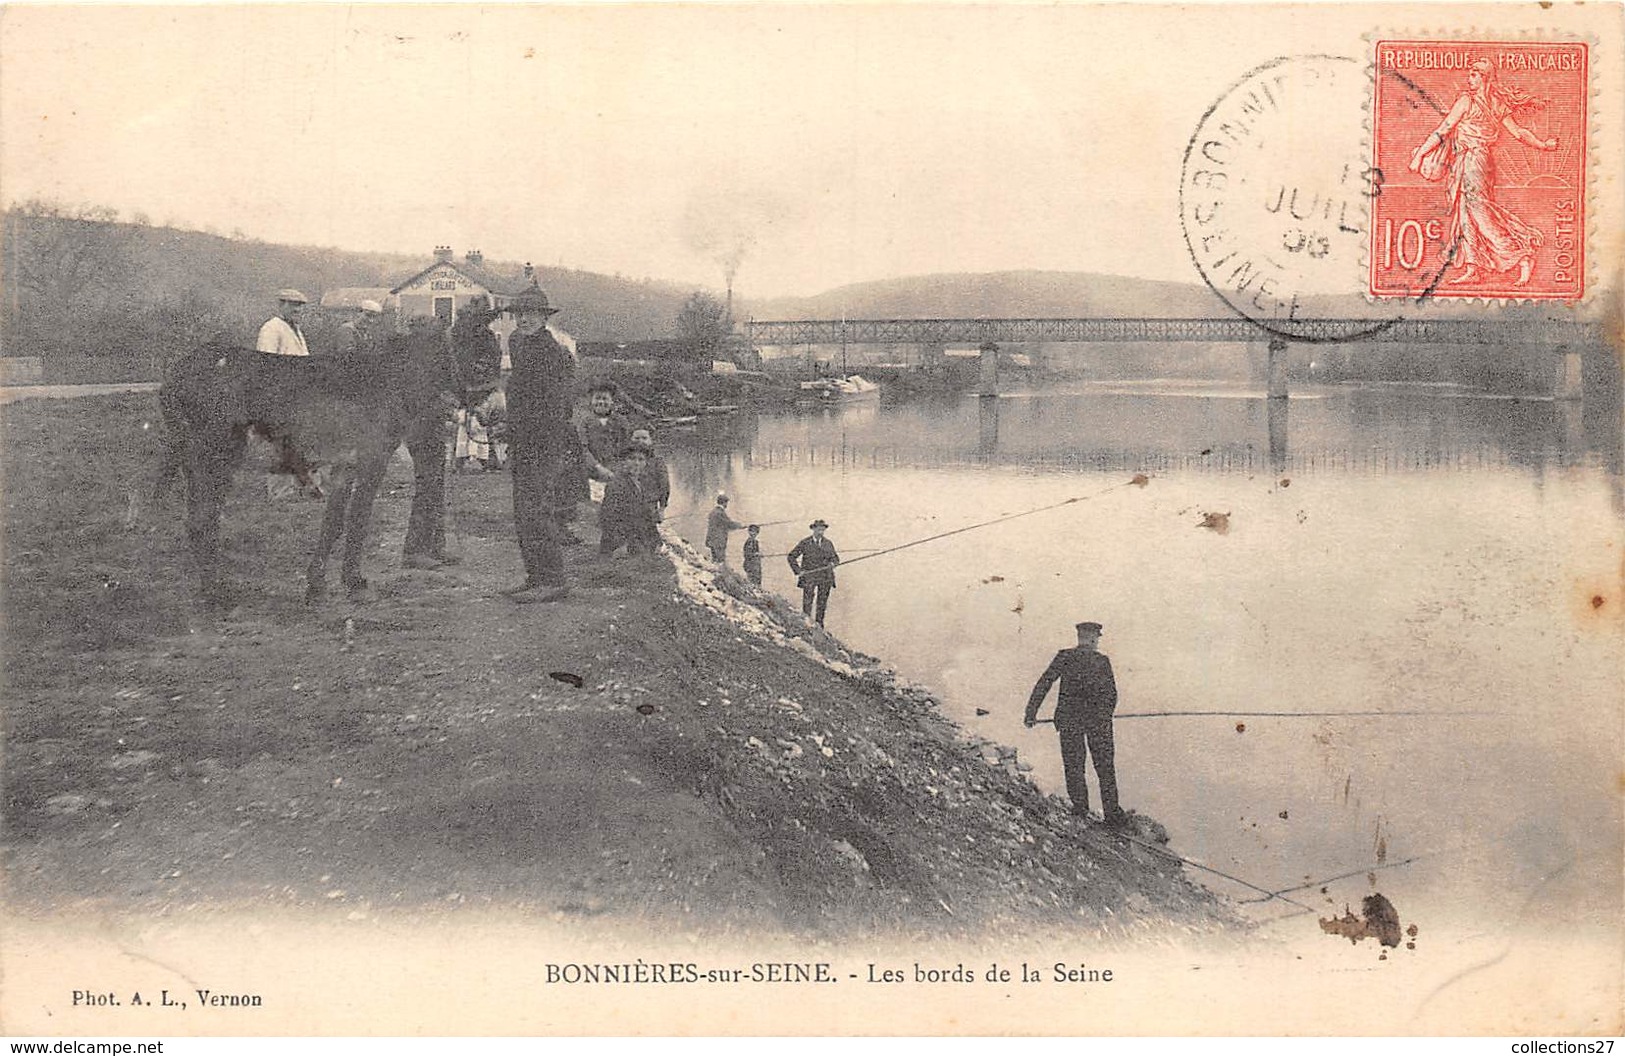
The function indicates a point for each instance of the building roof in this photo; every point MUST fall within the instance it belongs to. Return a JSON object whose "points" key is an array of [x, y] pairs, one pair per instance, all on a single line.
{"points": [[475, 273], [352, 296]]}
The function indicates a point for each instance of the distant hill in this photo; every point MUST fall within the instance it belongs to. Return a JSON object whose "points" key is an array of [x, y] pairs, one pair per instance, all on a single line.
{"points": [[595, 307], [1066, 294], [89, 288], [1006, 294]]}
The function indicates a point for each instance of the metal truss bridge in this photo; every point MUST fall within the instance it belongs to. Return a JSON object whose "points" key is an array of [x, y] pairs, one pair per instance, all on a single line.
{"points": [[1478, 331]]}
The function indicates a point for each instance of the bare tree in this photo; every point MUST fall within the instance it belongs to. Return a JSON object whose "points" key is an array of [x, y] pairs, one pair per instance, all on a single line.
{"points": [[60, 253]]}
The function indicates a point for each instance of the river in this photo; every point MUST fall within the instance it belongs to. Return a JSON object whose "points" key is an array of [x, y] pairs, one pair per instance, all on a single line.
{"points": [[1446, 558]]}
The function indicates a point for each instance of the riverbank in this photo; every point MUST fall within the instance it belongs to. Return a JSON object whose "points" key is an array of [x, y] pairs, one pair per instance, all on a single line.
{"points": [[665, 747]]}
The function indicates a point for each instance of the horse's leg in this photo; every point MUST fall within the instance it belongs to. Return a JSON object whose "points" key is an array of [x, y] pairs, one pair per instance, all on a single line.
{"points": [[177, 442], [237, 447], [174, 460], [333, 516], [369, 476], [206, 479]]}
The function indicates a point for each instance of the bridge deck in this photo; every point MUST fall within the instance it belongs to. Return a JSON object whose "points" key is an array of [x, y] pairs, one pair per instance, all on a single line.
{"points": [[1486, 331]]}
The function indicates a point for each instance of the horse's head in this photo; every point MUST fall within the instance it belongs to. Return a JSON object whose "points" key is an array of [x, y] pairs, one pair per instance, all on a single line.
{"points": [[477, 351], [423, 376]]}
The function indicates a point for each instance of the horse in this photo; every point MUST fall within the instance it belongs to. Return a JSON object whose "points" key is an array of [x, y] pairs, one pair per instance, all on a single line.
{"points": [[354, 409]]}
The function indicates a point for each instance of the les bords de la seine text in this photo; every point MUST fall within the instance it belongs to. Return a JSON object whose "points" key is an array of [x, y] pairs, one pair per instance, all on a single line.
{"points": [[656, 972]]}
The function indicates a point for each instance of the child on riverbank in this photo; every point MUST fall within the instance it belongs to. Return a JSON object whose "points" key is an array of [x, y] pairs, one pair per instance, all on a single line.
{"points": [[628, 514], [753, 555]]}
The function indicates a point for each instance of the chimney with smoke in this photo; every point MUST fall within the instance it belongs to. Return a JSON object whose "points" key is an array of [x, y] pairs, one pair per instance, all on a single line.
{"points": [[443, 254]]}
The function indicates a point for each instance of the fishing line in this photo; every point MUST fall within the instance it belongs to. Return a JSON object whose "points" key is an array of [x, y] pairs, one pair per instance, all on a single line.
{"points": [[1332, 879], [1138, 481], [1166, 853]]}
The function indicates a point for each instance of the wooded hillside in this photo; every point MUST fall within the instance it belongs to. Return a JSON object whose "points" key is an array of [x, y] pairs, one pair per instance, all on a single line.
{"points": [[99, 298]]}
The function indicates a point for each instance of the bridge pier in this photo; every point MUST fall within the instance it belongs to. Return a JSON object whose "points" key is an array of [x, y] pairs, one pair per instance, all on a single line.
{"points": [[1571, 435], [1569, 382], [1275, 369], [1276, 410], [987, 429], [989, 384]]}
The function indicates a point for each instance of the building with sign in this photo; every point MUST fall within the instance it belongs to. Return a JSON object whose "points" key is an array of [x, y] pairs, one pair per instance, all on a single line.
{"points": [[446, 286]]}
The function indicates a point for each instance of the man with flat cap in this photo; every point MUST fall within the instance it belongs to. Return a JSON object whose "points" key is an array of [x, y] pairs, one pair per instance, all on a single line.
{"points": [[281, 336], [362, 334], [813, 561], [1083, 718]]}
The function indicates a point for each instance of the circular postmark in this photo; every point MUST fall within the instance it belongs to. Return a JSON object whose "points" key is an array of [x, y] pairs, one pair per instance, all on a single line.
{"points": [[1273, 199]]}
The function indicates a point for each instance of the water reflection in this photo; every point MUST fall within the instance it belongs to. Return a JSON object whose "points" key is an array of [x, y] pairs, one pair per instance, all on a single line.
{"points": [[1386, 550], [987, 434]]}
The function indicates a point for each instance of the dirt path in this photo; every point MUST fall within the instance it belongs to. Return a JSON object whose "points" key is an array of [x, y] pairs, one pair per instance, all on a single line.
{"points": [[721, 766]]}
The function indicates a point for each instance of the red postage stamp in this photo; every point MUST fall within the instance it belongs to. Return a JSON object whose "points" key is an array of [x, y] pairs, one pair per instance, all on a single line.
{"points": [[1479, 159]]}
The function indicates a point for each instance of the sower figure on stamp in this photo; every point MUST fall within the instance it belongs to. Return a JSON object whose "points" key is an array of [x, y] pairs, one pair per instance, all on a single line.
{"points": [[542, 445], [1083, 718], [1484, 236], [813, 561]]}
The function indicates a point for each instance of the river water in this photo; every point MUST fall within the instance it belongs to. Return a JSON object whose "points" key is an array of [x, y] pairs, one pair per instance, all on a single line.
{"points": [[1448, 559]]}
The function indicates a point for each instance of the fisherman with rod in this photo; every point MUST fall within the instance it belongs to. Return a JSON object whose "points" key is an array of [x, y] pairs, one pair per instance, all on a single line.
{"points": [[1083, 718]]}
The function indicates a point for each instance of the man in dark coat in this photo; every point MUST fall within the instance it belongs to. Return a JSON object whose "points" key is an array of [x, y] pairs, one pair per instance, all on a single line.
{"points": [[542, 445], [717, 526], [813, 561], [1083, 718]]}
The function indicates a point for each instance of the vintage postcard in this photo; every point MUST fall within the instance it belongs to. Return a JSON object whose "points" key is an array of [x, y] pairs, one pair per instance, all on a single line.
{"points": [[847, 519]]}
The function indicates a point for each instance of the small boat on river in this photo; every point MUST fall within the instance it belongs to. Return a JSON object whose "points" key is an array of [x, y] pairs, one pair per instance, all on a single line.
{"points": [[851, 388]]}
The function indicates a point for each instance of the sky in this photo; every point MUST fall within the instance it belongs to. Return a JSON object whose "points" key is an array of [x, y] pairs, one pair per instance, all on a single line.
{"points": [[809, 146]]}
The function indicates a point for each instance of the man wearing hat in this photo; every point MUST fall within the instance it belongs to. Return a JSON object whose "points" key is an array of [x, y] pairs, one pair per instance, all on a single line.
{"points": [[717, 527], [542, 444], [1083, 718], [813, 561], [361, 334], [280, 336]]}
